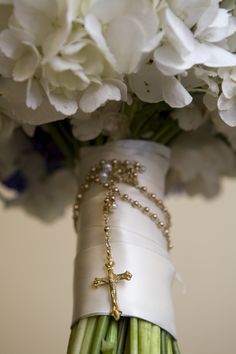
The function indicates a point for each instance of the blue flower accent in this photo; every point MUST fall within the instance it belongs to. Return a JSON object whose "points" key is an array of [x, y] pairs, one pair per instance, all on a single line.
{"points": [[16, 181]]}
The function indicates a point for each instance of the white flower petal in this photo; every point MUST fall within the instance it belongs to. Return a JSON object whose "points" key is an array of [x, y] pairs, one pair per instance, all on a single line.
{"points": [[227, 110], [207, 17], [6, 66], [97, 95], [190, 117], [229, 88], [175, 94], [87, 129], [147, 84], [10, 45], [94, 29], [122, 34], [217, 56], [32, 19], [26, 66], [153, 43], [177, 33], [63, 104], [34, 95], [14, 95], [169, 62]]}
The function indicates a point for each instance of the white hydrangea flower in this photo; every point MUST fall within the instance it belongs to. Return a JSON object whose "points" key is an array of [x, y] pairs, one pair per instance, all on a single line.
{"points": [[182, 48], [198, 163], [150, 85], [227, 99], [49, 198], [76, 52], [221, 127], [190, 117], [107, 120], [13, 100]]}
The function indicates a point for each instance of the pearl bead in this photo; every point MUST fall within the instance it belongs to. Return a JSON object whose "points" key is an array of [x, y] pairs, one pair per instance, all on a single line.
{"points": [[107, 167], [103, 177], [114, 205]]}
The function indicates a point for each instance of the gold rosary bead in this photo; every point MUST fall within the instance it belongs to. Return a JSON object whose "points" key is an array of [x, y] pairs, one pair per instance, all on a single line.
{"points": [[153, 196], [79, 196], [97, 180], [166, 232], [106, 228], [102, 162], [114, 162], [144, 189], [154, 216], [161, 223], [146, 210], [127, 162], [86, 186], [116, 190], [93, 169], [135, 203], [125, 196], [106, 185]]}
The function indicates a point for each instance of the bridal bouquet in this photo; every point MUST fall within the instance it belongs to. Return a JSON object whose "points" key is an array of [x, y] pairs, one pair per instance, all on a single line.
{"points": [[130, 99]]}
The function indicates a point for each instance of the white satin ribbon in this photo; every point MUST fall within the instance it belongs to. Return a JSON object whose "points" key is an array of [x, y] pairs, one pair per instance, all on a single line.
{"points": [[137, 245]]}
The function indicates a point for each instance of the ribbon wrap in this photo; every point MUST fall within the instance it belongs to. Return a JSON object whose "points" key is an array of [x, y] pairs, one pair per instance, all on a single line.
{"points": [[137, 244]]}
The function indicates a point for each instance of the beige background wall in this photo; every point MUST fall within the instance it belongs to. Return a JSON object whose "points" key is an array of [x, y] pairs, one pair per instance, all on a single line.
{"points": [[36, 263]]}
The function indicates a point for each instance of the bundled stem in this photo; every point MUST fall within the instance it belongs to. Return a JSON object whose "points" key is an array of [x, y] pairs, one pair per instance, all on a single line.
{"points": [[102, 334]]}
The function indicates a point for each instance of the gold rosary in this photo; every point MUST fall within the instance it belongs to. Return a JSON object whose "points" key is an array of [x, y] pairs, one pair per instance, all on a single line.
{"points": [[109, 174]]}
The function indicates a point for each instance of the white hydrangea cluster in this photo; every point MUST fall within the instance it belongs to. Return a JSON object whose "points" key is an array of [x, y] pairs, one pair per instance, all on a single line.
{"points": [[81, 59], [79, 54]]}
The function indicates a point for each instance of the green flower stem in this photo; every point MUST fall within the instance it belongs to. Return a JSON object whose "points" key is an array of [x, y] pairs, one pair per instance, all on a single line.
{"points": [[127, 343], [170, 135], [102, 334], [61, 143], [169, 345], [99, 334], [77, 336], [175, 347], [163, 342], [109, 345], [142, 117], [72, 339], [144, 336], [155, 340], [91, 324], [134, 335], [122, 331]]}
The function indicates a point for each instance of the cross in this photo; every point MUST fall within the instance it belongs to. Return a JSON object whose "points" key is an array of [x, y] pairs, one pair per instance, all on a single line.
{"points": [[111, 280]]}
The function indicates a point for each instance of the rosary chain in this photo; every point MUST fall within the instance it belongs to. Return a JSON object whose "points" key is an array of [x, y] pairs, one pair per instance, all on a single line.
{"points": [[109, 174]]}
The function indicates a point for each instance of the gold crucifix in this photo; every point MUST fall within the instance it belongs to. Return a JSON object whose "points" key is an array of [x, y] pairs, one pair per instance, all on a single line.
{"points": [[111, 280]]}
